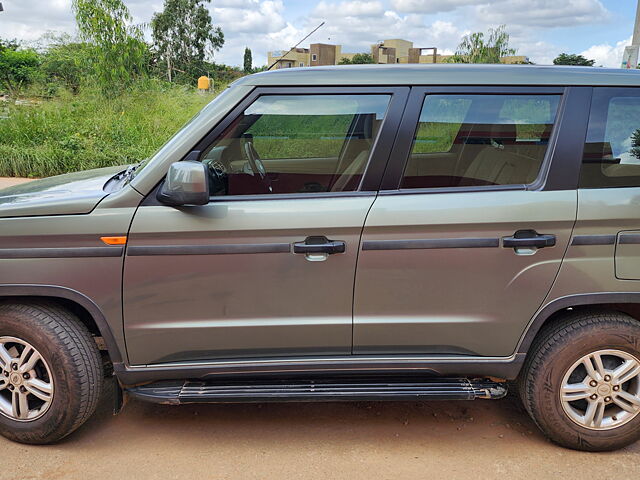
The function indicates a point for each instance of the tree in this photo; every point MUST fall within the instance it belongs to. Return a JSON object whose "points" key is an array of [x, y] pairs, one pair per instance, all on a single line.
{"points": [[476, 48], [119, 52], [67, 61], [635, 144], [184, 36], [18, 67], [248, 60], [358, 58], [573, 59]]}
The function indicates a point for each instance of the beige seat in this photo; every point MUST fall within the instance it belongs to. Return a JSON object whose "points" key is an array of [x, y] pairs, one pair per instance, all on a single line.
{"points": [[356, 167], [500, 167]]}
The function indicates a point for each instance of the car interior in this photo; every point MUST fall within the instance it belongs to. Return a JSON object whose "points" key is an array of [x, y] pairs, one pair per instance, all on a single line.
{"points": [[488, 147], [248, 160]]}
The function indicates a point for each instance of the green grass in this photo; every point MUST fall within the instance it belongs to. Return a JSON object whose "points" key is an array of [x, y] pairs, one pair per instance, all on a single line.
{"points": [[300, 136], [71, 133]]}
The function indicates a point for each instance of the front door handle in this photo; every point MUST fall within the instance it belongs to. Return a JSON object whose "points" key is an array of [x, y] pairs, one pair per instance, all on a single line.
{"points": [[319, 245], [529, 239]]}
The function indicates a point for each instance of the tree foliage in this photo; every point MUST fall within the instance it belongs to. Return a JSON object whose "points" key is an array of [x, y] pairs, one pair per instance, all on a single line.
{"points": [[67, 62], [573, 59], [358, 58], [248, 60], [18, 67], [480, 48], [184, 37], [119, 53], [635, 144]]}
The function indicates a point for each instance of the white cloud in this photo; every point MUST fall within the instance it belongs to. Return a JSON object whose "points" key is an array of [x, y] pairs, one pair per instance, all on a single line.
{"points": [[543, 13], [27, 20], [235, 3], [607, 55], [359, 30], [262, 17], [539, 52], [348, 9], [426, 6]]}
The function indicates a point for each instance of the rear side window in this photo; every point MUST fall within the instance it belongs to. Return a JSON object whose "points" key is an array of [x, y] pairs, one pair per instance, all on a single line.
{"points": [[475, 140], [612, 150]]}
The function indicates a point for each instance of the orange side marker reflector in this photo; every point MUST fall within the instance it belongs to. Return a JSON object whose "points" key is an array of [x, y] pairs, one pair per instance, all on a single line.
{"points": [[115, 240]]}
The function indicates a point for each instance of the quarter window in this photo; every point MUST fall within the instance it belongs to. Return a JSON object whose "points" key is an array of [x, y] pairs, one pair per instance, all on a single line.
{"points": [[475, 140], [296, 144], [612, 150]]}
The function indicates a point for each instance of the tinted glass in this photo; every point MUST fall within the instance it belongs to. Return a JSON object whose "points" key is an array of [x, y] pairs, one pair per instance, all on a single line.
{"points": [[612, 150], [473, 140], [296, 144]]}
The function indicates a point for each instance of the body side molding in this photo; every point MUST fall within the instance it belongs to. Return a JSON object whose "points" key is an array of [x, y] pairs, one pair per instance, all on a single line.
{"points": [[61, 252], [577, 300], [227, 249], [430, 243], [593, 240], [54, 291], [629, 238]]}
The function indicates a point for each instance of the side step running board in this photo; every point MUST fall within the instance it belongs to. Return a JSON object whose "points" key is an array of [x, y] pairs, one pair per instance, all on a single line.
{"points": [[318, 390]]}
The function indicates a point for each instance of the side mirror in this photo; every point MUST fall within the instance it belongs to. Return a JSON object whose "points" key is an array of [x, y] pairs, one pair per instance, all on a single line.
{"points": [[186, 184]]}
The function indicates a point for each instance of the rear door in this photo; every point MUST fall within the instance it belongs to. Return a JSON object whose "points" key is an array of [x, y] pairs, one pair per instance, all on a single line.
{"points": [[465, 239], [267, 267]]}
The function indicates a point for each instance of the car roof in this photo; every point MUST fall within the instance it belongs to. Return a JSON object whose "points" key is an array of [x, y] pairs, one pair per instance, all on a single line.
{"points": [[444, 74]]}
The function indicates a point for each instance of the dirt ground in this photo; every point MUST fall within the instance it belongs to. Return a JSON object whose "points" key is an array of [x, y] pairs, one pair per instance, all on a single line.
{"points": [[482, 439], [9, 181], [398, 440]]}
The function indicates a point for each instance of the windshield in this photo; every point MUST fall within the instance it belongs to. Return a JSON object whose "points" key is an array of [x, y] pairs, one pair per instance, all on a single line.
{"points": [[140, 166]]}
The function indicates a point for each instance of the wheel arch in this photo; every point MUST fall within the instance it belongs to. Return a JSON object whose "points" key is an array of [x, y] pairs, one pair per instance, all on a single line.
{"points": [[87, 311], [625, 302]]}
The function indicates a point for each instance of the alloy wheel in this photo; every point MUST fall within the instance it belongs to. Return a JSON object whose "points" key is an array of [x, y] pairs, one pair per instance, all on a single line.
{"points": [[26, 383], [601, 390]]}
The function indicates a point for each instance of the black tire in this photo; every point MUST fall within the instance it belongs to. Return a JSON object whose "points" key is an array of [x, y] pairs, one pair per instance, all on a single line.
{"points": [[75, 364], [553, 353]]}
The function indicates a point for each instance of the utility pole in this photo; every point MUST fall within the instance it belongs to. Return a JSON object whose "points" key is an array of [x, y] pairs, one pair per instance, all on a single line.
{"points": [[631, 53]]}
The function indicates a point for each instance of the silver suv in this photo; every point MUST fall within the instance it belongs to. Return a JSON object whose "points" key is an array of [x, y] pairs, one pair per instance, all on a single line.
{"points": [[344, 233]]}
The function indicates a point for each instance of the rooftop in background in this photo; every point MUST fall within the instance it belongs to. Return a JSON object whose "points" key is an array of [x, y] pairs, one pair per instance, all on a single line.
{"points": [[394, 50], [444, 74]]}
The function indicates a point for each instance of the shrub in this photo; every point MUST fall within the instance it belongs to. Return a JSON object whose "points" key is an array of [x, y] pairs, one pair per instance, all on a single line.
{"points": [[78, 132]]}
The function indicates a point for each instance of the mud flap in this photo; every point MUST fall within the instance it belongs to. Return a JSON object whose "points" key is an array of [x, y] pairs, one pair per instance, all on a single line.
{"points": [[119, 398]]}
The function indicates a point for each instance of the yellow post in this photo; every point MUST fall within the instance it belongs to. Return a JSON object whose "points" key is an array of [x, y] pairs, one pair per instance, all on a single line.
{"points": [[203, 83]]}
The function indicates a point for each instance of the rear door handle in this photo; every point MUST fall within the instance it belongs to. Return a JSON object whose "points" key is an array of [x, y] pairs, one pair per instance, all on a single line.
{"points": [[319, 245], [530, 239]]}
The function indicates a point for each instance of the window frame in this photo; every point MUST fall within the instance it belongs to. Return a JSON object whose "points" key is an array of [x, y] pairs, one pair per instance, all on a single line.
{"points": [[378, 156], [560, 167], [599, 107]]}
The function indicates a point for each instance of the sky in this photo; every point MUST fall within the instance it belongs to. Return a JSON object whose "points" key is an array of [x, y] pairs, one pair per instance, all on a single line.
{"points": [[539, 29]]}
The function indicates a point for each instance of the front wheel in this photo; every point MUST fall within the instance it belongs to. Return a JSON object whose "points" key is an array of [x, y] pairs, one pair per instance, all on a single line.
{"points": [[581, 381], [50, 373]]}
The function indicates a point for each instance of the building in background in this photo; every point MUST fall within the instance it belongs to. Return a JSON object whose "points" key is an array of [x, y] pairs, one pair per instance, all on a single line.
{"points": [[316, 55], [394, 50], [630, 56]]}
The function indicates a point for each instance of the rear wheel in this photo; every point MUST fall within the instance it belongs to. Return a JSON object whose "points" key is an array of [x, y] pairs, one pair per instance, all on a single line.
{"points": [[50, 373], [581, 381]]}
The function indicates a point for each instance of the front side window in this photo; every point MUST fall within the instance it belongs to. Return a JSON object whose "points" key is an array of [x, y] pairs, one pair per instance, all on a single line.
{"points": [[612, 150], [475, 140], [296, 144]]}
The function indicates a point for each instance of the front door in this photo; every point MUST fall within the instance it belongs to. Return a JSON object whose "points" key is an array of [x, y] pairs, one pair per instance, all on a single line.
{"points": [[267, 268], [461, 248]]}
